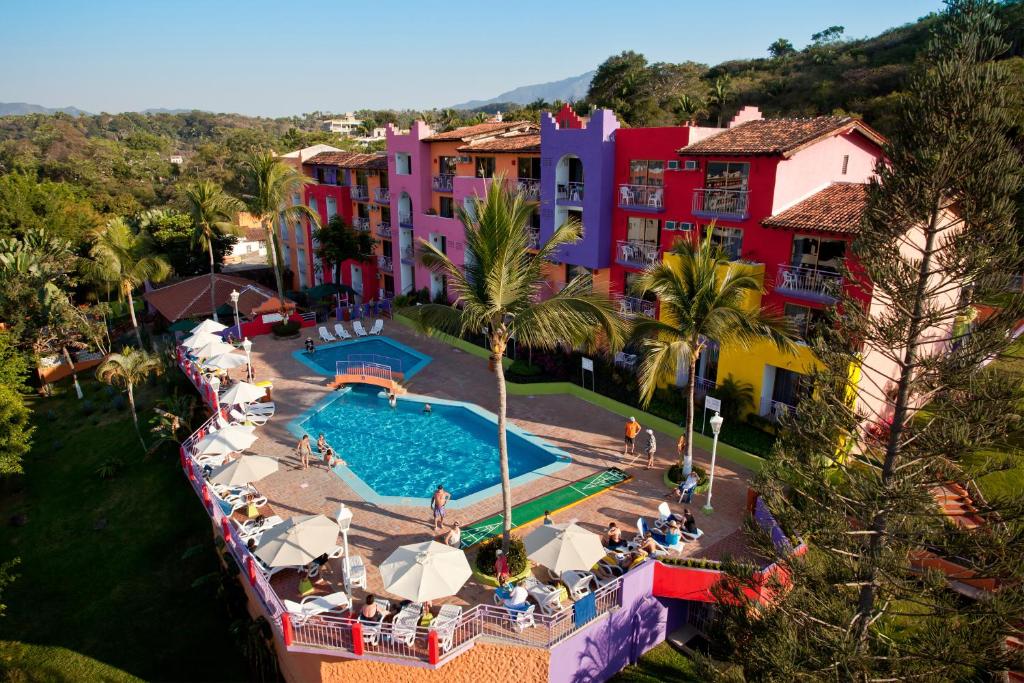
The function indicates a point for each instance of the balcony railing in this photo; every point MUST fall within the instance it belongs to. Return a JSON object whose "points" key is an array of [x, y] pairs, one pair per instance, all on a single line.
{"points": [[777, 409], [632, 305], [571, 193], [713, 203], [384, 230], [443, 182], [636, 254], [703, 385], [384, 263], [651, 197], [361, 224], [534, 239], [409, 255], [360, 193], [382, 195], [529, 187], [405, 219], [816, 284]]}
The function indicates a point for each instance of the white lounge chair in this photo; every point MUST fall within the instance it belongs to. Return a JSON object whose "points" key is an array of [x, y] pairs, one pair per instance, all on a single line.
{"points": [[522, 619], [251, 530], [692, 537], [264, 409], [312, 605], [445, 622], [548, 597], [663, 515], [403, 626], [378, 326], [358, 327], [252, 419], [356, 572], [326, 336], [340, 330], [371, 629], [578, 583]]}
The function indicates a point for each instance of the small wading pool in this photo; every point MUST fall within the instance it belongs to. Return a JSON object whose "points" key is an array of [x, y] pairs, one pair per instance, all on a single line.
{"points": [[399, 456], [382, 350]]}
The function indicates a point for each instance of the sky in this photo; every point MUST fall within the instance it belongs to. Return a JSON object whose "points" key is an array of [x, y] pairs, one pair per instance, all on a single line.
{"points": [[278, 58]]}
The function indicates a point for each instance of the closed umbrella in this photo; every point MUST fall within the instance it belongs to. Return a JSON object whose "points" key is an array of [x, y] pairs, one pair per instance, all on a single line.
{"points": [[228, 440], [298, 541], [561, 547], [213, 348], [210, 326], [197, 339], [425, 571], [244, 470], [226, 361], [242, 392]]}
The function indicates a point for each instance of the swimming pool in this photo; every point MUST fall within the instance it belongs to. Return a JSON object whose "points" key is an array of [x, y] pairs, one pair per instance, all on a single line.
{"points": [[399, 456], [376, 349]]}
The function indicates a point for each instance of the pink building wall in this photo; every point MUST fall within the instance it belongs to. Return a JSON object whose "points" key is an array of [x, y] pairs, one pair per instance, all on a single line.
{"points": [[814, 168], [416, 186]]}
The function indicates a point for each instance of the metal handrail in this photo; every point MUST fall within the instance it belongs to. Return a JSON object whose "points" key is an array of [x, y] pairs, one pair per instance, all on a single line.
{"points": [[634, 253], [382, 195], [443, 182], [821, 282], [642, 196], [359, 192], [714, 202]]}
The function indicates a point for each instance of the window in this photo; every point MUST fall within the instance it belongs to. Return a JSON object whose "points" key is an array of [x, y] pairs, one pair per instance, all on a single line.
{"points": [[485, 167], [631, 288], [282, 226], [361, 178], [332, 207], [386, 248], [730, 240], [385, 216], [529, 168], [644, 172], [296, 199], [299, 232], [446, 207], [727, 175], [470, 204], [446, 165], [382, 180], [403, 163], [303, 267], [576, 216], [313, 205], [846, 162], [789, 387], [535, 221], [643, 230], [804, 318], [362, 211], [816, 254]]}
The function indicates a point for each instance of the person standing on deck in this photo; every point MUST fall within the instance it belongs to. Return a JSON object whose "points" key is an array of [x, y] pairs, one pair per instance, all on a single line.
{"points": [[437, 503], [304, 451], [632, 429], [652, 446]]}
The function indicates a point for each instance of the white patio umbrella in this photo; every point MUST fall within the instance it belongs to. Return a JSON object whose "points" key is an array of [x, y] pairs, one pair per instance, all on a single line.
{"points": [[298, 541], [425, 571], [226, 361], [228, 440], [242, 392], [561, 547], [198, 339], [208, 325], [213, 348], [244, 470]]}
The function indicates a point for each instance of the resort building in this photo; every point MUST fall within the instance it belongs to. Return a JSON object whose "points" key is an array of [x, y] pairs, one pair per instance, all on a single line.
{"points": [[294, 239], [347, 124]]}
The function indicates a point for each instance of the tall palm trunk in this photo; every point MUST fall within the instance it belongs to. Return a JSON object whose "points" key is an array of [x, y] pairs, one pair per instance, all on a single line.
{"points": [[272, 245], [131, 312], [691, 383], [135, 415], [498, 351], [213, 281]]}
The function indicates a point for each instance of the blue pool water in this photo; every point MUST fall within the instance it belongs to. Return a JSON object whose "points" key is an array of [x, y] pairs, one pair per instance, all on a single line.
{"points": [[382, 350], [403, 452]]}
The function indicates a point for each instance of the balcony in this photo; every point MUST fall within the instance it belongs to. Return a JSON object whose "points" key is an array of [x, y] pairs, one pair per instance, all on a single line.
{"points": [[727, 204], [384, 230], [382, 195], [636, 254], [405, 219], [361, 224], [529, 188], [534, 242], [359, 193], [818, 285], [570, 193], [409, 255], [631, 305], [384, 263], [642, 197], [778, 409], [443, 182]]}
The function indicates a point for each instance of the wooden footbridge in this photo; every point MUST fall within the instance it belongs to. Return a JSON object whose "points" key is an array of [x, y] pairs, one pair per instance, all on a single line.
{"points": [[365, 372]]}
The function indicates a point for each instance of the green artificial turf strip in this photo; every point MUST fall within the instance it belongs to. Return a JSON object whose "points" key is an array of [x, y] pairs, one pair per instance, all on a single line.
{"points": [[558, 499], [660, 664], [107, 566]]}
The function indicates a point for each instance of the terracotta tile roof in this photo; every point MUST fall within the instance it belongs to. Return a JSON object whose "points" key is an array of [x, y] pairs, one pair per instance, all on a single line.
{"points": [[190, 298], [376, 161], [837, 208], [519, 142], [254, 235], [778, 136], [467, 133], [332, 158]]}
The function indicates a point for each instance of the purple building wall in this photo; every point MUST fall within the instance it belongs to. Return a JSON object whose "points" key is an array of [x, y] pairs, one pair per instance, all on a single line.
{"points": [[594, 145], [611, 643]]}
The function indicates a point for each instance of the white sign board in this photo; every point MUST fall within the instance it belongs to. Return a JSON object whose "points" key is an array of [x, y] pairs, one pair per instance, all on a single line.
{"points": [[270, 318], [712, 403], [588, 363]]}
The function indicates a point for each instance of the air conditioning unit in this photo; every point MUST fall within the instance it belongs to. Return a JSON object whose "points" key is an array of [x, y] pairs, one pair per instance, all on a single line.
{"points": [[464, 160], [684, 225], [672, 164], [670, 225], [691, 165]]}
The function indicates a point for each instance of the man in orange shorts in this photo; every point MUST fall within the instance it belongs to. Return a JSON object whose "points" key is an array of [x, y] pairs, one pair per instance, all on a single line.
{"points": [[632, 429]]}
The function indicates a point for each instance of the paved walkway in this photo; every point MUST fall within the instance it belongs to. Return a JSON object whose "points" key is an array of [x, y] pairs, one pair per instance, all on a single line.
{"points": [[591, 435]]}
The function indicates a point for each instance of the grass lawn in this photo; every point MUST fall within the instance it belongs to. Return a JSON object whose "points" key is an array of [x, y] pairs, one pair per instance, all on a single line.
{"points": [[105, 588], [1001, 473], [662, 663]]}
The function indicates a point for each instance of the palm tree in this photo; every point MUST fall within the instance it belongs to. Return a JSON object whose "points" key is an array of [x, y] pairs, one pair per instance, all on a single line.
{"points": [[127, 369], [719, 95], [497, 293], [213, 213], [703, 300], [339, 242], [271, 184], [688, 109], [126, 259]]}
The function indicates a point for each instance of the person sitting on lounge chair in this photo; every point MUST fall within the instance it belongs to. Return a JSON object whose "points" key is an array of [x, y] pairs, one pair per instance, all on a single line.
{"points": [[614, 537], [672, 532], [369, 611], [650, 546], [689, 523], [684, 491], [517, 598], [252, 511], [454, 537]]}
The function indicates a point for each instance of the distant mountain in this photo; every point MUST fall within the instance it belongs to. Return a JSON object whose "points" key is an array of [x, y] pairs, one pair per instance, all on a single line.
{"points": [[22, 108], [566, 90]]}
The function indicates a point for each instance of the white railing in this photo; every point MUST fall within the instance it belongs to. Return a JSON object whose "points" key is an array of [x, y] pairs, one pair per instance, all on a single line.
{"points": [[382, 195], [642, 196], [637, 254], [810, 281], [405, 219], [384, 263], [384, 229], [720, 203], [631, 305], [360, 192], [776, 410], [443, 182], [361, 224], [570, 192], [363, 369], [703, 385], [529, 187]]}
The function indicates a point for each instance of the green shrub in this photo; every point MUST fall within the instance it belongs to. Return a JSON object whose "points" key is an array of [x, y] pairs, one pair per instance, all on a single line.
{"points": [[488, 552], [286, 328], [522, 370], [747, 438]]}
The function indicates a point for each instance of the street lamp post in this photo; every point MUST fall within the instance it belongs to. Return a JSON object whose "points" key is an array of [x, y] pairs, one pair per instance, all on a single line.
{"points": [[234, 300], [716, 427], [247, 346]]}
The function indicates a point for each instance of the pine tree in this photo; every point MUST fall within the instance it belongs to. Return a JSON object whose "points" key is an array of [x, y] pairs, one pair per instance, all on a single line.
{"points": [[857, 482]]}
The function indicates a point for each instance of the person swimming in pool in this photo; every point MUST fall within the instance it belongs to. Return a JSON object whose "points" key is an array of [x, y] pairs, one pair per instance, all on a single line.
{"points": [[427, 409], [437, 503], [392, 400]]}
